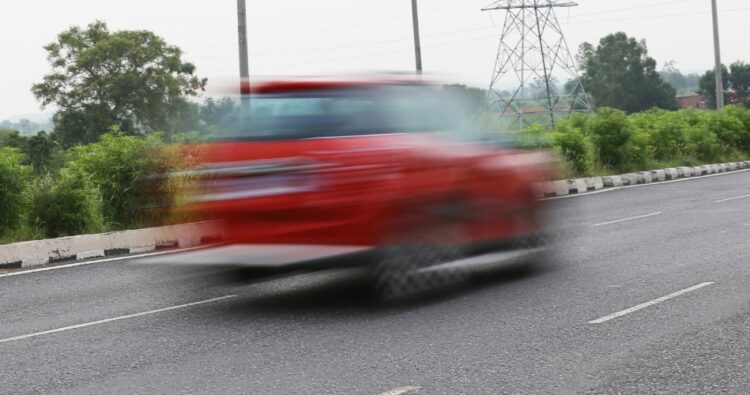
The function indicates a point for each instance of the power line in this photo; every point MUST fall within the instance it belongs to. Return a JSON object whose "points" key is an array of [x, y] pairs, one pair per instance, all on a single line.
{"points": [[633, 8], [345, 27], [350, 46], [655, 16], [387, 52]]}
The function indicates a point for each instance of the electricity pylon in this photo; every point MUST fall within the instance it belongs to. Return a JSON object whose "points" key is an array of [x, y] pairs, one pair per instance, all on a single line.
{"points": [[532, 54]]}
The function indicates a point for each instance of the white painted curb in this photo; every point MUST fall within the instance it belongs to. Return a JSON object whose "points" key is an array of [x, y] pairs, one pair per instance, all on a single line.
{"points": [[581, 185], [42, 252], [612, 181], [577, 185]]}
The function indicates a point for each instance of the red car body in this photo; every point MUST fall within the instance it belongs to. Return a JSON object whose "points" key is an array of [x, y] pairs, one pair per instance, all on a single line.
{"points": [[370, 186]]}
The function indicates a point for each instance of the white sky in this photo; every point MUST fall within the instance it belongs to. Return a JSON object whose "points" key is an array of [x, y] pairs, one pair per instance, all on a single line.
{"points": [[304, 37]]}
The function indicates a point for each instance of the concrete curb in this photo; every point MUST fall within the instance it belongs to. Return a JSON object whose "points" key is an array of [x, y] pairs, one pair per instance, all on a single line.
{"points": [[43, 252], [576, 186]]}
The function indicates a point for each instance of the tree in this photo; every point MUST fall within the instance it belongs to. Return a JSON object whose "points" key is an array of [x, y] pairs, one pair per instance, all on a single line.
{"points": [[707, 85], [619, 73], [740, 80], [131, 79], [43, 152], [471, 99], [685, 84], [12, 138], [219, 114], [538, 89]]}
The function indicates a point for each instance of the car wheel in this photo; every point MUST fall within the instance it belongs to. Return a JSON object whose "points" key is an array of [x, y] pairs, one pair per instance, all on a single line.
{"points": [[412, 264]]}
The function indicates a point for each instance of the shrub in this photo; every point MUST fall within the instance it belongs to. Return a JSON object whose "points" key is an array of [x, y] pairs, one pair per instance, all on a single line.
{"points": [[66, 205], [575, 147], [727, 128], [664, 131], [742, 114], [637, 151], [535, 137], [702, 143], [610, 131], [14, 177], [130, 173]]}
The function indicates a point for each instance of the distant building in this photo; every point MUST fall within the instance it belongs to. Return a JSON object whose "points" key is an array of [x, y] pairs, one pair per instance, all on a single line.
{"points": [[692, 101]]}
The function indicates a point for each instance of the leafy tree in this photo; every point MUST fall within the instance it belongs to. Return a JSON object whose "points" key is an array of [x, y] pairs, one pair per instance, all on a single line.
{"points": [[472, 99], [26, 127], [538, 89], [12, 138], [132, 79], [619, 73], [684, 84], [219, 114], [44, 153], [707, 85], [740, 80]]}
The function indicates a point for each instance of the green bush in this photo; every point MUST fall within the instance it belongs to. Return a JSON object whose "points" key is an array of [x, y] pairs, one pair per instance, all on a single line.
{"points": [[664, 131], [637, 151], [14, 178], [575, 147], [130, 173], [727, 128], [64, 206], [610, 131], [534, 137], [742, 114]]}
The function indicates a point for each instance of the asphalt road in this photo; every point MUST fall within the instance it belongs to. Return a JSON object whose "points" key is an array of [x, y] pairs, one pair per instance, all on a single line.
{"points": [[670, 261]]}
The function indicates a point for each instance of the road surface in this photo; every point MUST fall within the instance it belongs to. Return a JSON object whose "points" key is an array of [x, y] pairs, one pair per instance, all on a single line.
{"points": [[651, 293]]}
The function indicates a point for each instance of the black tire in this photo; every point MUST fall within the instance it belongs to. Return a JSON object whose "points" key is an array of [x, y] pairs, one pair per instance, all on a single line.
{"points": [[408, 266]]}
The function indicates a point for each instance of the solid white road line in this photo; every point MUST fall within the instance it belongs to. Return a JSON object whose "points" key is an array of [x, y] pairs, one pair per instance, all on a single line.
{"points": [[734, 198], [108, 320], [119, 258], [402, 390], [629, 219], [649, 303]]}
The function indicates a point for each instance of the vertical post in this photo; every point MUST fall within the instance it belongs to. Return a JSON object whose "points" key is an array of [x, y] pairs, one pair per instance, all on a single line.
{"points": [[242, 31], [544, 67], [717, 52], [417, 45]]}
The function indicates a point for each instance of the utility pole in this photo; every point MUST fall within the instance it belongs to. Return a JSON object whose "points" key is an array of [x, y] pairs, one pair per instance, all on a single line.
{"points": [[242, 30], [417, 45], [717, 51]]}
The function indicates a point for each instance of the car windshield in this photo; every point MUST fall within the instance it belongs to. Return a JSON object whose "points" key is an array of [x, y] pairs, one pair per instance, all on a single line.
{"points": [[341, 112]]}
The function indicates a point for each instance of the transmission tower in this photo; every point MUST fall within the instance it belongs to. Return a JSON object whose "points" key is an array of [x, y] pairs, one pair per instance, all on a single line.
{"points": [[532, 54]]}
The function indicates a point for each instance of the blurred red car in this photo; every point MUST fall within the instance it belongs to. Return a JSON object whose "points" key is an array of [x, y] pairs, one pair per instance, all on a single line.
{"points": [[321, 170]]}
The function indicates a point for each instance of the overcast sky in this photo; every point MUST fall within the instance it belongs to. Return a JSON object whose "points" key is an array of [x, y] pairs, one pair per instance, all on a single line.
{"points": [[303, 37]]}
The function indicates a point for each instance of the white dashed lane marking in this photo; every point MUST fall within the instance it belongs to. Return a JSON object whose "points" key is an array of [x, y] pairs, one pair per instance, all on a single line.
{"points": [[732, 198], [649, 303], [629, 219], [108, 320], [403, 390]]}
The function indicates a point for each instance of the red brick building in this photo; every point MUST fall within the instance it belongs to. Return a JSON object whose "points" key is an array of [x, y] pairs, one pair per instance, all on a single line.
{"points": [[692, 101]]}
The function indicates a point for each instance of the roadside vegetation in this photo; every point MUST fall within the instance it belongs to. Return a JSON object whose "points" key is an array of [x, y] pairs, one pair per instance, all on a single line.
{"points": [[124, 105], [610, 141]]}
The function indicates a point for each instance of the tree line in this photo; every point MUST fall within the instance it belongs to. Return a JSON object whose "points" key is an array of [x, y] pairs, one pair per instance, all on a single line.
{"points": [[124, 98]]}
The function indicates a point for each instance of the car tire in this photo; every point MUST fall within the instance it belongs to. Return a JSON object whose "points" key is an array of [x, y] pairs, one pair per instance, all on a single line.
{"points": [[410, 265]]}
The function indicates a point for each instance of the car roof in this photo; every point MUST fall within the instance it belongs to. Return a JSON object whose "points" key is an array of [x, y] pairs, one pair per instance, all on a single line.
{"points": [[290, 86]]}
